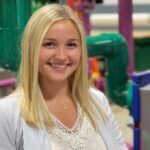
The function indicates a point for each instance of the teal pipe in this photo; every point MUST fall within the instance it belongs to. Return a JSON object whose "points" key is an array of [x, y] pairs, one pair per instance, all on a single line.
{"points": [[114, 48], [14, 15]]}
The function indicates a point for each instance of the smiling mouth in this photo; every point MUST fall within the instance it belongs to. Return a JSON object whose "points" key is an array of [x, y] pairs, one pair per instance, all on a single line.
{"points": [[58, 66]]}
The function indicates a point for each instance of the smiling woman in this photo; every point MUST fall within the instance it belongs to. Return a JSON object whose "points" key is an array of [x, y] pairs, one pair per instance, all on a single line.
{"points": [[59, 54], [53, 107]]}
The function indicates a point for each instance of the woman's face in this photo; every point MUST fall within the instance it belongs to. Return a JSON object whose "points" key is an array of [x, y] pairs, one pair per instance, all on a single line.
{"points": [[60, 52]]}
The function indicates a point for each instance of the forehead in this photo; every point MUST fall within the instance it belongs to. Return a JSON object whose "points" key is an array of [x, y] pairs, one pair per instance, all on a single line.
{"points": [[60, 23], [63, 28]]}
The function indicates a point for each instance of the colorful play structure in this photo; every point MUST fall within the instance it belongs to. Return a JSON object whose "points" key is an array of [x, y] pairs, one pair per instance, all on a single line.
{"points": [[140, 109], [123, 85]]}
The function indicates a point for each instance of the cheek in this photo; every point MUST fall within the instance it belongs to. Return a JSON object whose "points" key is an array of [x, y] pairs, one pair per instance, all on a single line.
{"points": [[43, 56], [77, 56]]}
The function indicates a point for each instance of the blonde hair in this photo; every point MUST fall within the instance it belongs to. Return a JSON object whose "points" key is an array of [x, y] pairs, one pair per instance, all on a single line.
{"points": [[32, 104]]}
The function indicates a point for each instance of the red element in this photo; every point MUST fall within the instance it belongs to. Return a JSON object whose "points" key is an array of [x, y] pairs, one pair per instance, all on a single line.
{"points": [[71, 3], [82, 8], [136, 125], [94, 65]]}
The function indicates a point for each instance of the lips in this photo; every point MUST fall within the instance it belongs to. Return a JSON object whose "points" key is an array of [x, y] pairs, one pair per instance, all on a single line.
{"points": [[58, 66]]}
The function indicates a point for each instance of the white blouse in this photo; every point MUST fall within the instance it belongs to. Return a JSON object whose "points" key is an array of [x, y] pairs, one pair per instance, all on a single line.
{"points": [[81, 136]]}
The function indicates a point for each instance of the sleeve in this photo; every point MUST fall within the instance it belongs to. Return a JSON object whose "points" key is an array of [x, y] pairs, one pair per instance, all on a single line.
{"points": [[111, 123], [6, 138]]}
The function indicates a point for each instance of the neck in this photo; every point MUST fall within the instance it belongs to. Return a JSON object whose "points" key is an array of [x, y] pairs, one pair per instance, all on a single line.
{"points": [[55, 91]]}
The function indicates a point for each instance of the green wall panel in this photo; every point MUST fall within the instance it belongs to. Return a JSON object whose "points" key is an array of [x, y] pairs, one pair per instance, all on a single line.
{"points": [[14, 14]]}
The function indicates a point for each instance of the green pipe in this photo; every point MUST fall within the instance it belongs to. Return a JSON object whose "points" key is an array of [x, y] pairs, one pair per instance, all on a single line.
{"points": [[114, 48]]}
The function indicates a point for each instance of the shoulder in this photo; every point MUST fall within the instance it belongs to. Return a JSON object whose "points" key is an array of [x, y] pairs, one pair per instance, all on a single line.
{"points": [[101, 100], [10, 122], [100, 97], [111, 124], [10, 104], [97, 93], [9, 110]]}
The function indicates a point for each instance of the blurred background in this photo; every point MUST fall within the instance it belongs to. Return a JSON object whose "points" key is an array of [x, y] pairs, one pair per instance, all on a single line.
{"points": [[118, 42]]}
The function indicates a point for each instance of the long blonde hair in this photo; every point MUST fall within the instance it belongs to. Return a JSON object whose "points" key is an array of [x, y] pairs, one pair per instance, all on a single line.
{"points": [[32, 104]]}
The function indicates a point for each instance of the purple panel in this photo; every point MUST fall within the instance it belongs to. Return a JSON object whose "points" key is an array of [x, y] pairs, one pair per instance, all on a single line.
{"points": [[126, 28]]}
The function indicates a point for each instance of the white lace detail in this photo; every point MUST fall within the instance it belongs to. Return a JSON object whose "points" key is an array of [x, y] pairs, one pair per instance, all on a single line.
{"points": [[78, 136]]}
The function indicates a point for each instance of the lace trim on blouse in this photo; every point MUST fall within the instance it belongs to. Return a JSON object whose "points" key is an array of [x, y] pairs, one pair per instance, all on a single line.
{"points": [[76, 136]]}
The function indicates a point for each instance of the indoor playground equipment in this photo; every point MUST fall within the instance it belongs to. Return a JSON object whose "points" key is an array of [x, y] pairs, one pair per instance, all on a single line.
{"points": [[82, 8], [14, 15], [114, 49], [141, 111], [96, 72]]}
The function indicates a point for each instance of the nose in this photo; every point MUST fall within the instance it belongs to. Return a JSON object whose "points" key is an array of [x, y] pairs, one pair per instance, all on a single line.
{"points": [[60, 54]]}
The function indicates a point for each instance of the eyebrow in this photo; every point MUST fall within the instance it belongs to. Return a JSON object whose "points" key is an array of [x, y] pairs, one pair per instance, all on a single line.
{"points": [[49, 39], [52, 39]]}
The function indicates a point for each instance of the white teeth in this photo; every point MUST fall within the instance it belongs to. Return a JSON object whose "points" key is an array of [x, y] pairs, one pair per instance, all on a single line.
{"points": [[59, 65]]}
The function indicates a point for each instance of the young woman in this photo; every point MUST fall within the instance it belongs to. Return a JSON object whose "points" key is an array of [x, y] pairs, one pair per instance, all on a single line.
{"points": [[53, 107]]}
